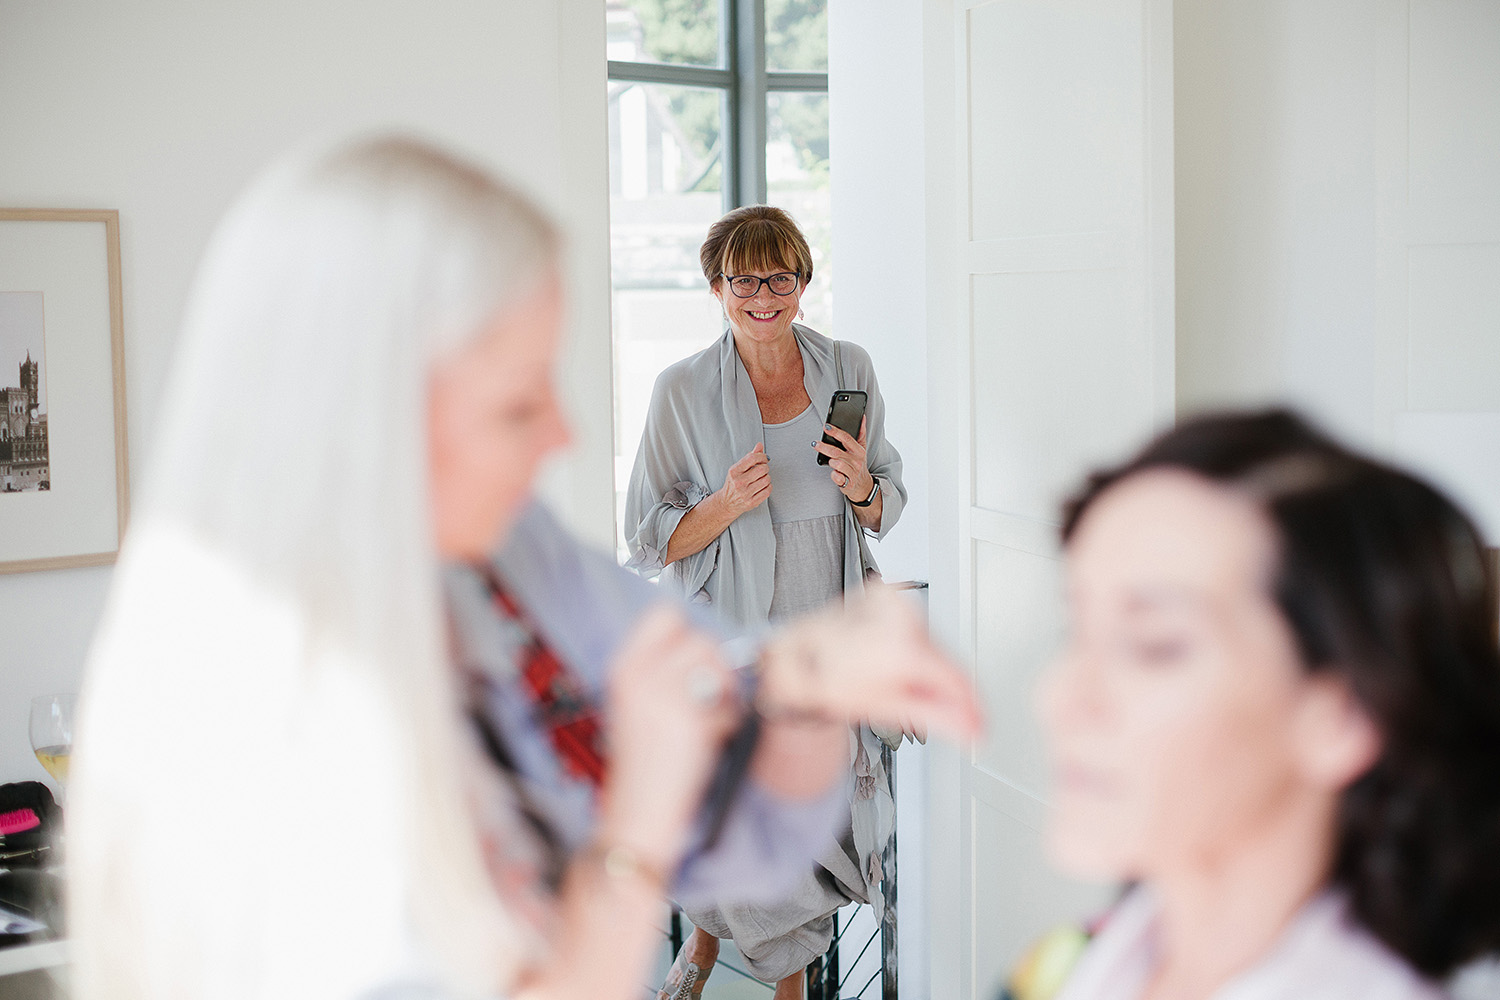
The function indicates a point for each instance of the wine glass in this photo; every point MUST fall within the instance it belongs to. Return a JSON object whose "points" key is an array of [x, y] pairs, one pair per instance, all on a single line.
{"points": [[52, 732]]}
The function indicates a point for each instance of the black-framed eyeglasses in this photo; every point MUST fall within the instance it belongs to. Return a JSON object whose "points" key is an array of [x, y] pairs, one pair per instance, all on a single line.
{"points": [[746, 286]]}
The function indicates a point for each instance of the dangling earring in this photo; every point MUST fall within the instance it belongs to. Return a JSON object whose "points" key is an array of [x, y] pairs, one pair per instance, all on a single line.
{"points": [[799, 313]]}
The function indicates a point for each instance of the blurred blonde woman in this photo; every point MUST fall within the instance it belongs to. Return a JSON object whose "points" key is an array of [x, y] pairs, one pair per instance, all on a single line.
{"points": [[278, 791]]}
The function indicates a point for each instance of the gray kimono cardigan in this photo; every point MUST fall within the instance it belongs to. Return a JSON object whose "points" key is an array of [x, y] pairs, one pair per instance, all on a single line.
{"points": [[703, 418]]}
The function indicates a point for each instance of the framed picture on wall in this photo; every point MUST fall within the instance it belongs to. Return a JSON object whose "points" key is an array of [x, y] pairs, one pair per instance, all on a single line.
{"points": [[1494, 555], [64, 494]]}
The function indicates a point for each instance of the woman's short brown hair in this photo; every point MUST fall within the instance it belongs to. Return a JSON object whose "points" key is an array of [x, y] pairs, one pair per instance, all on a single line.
{"points": [[755, 238]]}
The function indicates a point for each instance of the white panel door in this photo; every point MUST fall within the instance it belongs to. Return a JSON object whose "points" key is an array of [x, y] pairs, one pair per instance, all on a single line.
{"points": [[1050, 267]]}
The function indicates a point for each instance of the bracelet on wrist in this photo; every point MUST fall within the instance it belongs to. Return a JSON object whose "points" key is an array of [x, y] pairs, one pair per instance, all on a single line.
{"points": [[620, 863], [874, 492]]}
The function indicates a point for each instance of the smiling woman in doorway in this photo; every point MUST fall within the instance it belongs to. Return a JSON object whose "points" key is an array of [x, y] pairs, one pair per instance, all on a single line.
{"points": [[730, 503]]}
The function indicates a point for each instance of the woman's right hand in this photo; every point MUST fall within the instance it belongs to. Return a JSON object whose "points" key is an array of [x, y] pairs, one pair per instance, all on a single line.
{"points": [[746, 487], [670, 706], [748, 483]]}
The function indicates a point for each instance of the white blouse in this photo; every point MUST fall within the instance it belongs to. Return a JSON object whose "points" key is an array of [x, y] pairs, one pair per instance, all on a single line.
{"points": [[1322, 955]]}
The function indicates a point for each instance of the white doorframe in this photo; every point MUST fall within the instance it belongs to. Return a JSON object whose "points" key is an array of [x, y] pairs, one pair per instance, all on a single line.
{"points": [[977, 530]]}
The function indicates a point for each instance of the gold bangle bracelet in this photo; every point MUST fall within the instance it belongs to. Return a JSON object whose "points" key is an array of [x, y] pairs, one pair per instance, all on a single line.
{"points": [[619, 862]]}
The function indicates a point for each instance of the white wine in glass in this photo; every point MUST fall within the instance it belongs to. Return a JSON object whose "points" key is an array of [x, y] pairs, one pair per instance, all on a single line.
{"points": [[52, 733]]}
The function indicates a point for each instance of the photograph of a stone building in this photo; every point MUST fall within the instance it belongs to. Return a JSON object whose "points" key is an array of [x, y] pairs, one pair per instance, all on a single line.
{"points": [[23, 428]]}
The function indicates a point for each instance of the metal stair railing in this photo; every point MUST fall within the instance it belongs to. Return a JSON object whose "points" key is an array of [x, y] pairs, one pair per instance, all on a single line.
{"points": [[828, 977]]}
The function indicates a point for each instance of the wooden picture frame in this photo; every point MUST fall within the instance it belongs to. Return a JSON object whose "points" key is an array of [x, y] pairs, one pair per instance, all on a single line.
{"points": [[64, 462], [1494, 567]]}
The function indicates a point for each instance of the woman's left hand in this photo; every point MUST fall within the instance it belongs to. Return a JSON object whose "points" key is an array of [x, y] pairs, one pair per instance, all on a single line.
{"points": [[848, 466], [871, 658]]}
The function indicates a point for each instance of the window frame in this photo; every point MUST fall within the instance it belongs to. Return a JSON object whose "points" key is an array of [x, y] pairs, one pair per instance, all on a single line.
{"points": [[744, 83]]}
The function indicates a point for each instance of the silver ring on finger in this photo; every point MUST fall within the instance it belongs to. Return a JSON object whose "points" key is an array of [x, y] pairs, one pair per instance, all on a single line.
{"points": [[705, 685], [843, 479]]}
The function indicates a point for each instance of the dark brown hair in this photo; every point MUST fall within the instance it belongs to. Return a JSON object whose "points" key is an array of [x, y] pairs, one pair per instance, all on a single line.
{"points": [[1384, 581], [755, 238]]}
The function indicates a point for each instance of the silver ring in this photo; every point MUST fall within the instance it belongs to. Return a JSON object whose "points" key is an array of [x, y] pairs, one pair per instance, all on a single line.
{"points": [[705, 685], [845, 478]]}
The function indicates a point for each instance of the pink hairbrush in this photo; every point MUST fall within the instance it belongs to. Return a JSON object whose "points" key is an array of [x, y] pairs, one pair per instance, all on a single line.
{"points": [[18, 821]]}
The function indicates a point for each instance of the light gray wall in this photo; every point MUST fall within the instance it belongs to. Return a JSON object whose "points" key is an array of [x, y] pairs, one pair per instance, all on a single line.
{"points": [[1337, 197], [1338, 223], [877, 167], [1276, 204], [879, 230], [163, 110]]}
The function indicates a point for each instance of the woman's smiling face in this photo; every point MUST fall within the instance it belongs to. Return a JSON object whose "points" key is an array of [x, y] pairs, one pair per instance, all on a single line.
{"points": [[764, 317]]}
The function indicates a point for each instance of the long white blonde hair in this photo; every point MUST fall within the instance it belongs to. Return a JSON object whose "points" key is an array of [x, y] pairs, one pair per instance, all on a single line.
{"points": [[268, 796]]}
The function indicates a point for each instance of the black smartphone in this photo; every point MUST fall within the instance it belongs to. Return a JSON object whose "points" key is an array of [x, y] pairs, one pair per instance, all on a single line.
{"points": [[724, 787], [742, 654], [845, 411]]}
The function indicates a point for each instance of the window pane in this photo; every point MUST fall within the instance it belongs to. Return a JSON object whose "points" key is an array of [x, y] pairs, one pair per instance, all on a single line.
{"points": [[797, 180], [664, 31], [665, 182], [797, 35], [664, 141]]}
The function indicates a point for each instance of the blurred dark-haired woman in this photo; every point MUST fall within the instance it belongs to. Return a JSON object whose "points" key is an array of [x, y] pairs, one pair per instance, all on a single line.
{"points": [[1277, 719]]}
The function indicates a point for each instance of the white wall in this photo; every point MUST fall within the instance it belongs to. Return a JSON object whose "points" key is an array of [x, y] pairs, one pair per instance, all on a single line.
{"points": [[879, 240], [875, 142], [1276, 186], [1338, 222], [163, 110], [1337, 195]]}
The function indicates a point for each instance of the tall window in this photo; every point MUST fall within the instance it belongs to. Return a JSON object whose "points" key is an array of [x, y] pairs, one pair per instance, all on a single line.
{"points": [[713, 104]]}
